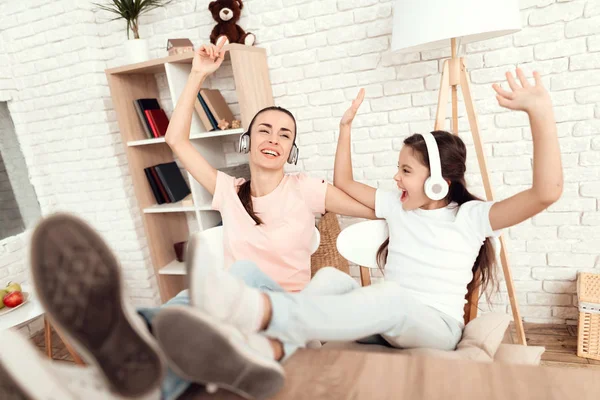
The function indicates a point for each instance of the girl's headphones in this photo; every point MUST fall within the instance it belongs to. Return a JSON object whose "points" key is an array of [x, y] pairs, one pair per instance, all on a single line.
{"points": [[244, 147], [436, 188]]}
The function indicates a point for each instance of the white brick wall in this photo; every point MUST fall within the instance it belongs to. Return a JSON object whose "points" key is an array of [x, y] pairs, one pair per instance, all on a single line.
{"points": [[57, 97], [320, 54]]}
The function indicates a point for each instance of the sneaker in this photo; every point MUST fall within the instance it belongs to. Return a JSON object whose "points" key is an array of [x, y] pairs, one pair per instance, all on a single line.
{"points": [[25, 374], [201, 349], [78, 282], [222, 295]]}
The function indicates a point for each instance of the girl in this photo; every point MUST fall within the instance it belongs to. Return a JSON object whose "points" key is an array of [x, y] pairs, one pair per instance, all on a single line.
{"points": [[437, 241], [268, 220]]}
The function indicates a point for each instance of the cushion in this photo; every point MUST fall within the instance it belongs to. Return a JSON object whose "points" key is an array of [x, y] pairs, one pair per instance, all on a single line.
{"points": [[482, 336], [518, 354]]}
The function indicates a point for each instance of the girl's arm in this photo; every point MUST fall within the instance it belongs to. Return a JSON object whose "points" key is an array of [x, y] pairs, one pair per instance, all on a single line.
{"points": [[547, 183], [342, 173], [339, 202], [206, 60]]}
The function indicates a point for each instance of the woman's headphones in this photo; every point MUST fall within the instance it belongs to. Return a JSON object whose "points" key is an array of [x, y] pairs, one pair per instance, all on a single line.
{"points": [[436, 188], [244, 147]]}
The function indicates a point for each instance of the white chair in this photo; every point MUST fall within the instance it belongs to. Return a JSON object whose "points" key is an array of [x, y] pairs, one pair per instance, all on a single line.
{"points": [[209, 246], [359, 243]]}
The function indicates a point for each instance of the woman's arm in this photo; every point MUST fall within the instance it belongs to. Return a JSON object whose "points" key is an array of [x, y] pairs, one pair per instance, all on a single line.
{"points": [[339, 202], [206, 60], [342, 173], [547, 183]]}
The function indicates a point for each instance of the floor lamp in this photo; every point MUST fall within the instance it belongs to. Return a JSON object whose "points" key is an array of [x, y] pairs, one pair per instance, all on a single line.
{"points": [[421, 25]]}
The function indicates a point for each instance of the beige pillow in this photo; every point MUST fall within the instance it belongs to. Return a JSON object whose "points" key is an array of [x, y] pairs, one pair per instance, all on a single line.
{"points": [[482, 336], [519, 354]]}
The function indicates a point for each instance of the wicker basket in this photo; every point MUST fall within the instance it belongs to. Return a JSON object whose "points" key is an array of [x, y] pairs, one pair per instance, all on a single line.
{"points": [[588, 293], [327, 254]]}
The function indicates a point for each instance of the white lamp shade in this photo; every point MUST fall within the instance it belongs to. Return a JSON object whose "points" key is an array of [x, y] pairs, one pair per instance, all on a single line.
{"points": [[431, 24]]}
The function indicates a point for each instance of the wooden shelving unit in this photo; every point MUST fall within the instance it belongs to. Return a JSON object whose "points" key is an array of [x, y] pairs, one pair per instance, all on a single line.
{"points": [[167, 224]]}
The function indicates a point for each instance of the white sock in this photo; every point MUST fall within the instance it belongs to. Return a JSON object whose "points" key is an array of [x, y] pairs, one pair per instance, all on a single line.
{"points": [[261, 344], [260, 313], [249, 310], [230, 300]]}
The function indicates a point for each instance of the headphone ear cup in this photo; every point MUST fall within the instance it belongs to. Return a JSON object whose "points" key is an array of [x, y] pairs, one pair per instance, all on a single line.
{"points": [[293, 157], [436, 189], [244, 143]]}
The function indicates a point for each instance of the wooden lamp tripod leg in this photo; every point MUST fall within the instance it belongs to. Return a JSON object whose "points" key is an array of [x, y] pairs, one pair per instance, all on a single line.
{"points": [[465, 84], [451, 80]]}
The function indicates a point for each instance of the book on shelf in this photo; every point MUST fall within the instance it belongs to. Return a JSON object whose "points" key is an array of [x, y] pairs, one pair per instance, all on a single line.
{"points": [[213, 124], [167, 182], [159, 192], [142, 119], [159, 122], [154, 186], [217, 105], [152, 117], [202, 115], [160, 185], [211, 107]]}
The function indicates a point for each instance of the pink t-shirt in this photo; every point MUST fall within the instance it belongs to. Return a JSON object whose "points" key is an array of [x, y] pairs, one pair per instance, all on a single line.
{"points": [[281, 245]]}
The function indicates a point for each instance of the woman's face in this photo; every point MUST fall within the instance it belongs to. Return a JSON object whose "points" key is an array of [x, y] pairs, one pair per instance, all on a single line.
{"points": [[271, 139]]}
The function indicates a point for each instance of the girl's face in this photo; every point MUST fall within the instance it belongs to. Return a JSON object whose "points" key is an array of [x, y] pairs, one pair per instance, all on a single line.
{"points": [[271, 139], [410, 178]]}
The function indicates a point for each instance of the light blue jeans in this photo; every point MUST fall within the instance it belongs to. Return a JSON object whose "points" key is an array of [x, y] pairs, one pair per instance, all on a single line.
{"points": [[379, 309], [327, 281]]}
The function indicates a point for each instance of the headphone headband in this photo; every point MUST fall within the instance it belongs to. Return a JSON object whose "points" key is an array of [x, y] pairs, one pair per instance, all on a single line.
{"points": [[433, 152], [436, 188]]}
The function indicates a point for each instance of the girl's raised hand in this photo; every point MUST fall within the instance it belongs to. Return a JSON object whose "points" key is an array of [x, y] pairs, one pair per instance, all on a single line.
{"points": [[207, 58], [350, 113], [523, 96]]}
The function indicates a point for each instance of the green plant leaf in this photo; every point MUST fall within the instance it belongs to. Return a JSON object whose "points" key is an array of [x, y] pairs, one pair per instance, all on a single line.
{"points": [[130, 11]]}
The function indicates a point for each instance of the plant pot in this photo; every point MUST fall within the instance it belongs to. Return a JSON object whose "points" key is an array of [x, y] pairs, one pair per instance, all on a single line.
{"points": [[136, 50]]}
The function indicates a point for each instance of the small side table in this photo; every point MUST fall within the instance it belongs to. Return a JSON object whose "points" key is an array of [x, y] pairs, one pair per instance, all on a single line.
{"points": [[27, 313]]}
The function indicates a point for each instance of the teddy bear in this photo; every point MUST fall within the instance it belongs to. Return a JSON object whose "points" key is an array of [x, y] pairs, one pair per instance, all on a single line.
{"points": [[227, 13]]}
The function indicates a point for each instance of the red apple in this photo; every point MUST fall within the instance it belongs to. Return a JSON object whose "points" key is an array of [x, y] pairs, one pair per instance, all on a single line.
{"points": [[13, 299]]}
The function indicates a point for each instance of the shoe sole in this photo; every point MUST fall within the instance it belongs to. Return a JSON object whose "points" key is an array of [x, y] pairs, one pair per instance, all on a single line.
{"points": [[78, 282], [210, 358]]}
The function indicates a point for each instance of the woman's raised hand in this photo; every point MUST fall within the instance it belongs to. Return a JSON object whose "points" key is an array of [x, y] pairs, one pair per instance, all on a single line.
{"points": [[207, 58], [350, 113]]}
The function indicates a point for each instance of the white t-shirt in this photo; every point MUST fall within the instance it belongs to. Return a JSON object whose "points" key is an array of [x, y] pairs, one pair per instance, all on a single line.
{"points": [[432, 252]]}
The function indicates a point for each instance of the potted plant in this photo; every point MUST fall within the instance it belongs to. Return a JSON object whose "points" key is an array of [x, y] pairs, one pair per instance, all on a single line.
{"points": [[136, 49]]}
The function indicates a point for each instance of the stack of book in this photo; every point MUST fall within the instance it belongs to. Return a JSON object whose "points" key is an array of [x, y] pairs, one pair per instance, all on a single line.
{"points": [[167, 182], [212, 108], [154, 120]]}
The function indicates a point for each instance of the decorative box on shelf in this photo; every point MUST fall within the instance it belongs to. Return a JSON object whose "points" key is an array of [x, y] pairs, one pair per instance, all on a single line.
{"points": [[588, 294], [179, 46]]}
